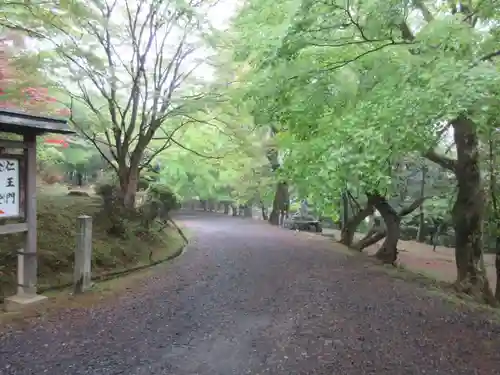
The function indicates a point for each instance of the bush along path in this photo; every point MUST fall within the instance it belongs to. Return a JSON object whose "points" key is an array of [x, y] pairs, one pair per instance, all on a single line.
{"points": [[246, 298]]}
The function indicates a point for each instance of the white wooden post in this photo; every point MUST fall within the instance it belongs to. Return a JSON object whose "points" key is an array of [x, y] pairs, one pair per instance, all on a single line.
{"points": [[20, 272], [83, 255]]}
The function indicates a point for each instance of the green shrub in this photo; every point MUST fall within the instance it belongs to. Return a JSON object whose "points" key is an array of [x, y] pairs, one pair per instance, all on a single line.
{"points": [[165, 196], [105, 190]]}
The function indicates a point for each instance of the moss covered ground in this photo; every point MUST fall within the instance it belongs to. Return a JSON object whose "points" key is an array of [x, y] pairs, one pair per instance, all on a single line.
{"points": [[57, 216]]}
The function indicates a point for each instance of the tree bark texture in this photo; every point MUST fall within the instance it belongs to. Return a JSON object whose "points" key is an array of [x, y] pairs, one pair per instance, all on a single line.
{"points": [[467, 213], [391, 232], [281, 203], [349, 228]]}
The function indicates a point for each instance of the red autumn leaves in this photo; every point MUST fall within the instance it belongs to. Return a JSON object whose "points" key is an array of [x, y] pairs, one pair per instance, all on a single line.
{"points": [[35, 100]]}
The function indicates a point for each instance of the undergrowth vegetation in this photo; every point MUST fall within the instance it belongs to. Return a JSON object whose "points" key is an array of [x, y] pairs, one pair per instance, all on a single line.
{"points": [[57, 230]]}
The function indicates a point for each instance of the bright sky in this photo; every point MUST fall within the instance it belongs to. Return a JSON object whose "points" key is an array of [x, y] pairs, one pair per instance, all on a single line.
{"points": [[221, 13], [219, 16]]}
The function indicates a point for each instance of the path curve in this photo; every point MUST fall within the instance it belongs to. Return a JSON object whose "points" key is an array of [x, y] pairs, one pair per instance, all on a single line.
{"points": [[247, 298]]}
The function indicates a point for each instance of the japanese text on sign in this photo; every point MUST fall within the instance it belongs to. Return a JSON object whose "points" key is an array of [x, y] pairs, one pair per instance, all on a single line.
{"points": [[9, 188]]}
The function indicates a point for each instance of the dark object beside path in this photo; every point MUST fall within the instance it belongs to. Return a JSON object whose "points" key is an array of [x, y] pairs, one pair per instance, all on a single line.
{"points": [[300, 222]]}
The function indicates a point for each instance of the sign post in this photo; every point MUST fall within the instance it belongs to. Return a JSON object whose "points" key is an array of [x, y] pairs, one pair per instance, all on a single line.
{"points": [[18, 195]]}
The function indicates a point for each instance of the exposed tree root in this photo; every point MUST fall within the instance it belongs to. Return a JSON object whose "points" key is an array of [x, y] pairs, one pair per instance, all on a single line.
{"points": [[478, 288]]}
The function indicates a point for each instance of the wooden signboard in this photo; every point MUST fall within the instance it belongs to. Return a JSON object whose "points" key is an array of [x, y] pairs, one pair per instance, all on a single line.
{"points": [[10, 188], [18, 195]]}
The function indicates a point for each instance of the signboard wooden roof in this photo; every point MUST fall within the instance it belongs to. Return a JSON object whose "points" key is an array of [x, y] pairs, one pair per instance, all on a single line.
{"points": [[20, 123]]}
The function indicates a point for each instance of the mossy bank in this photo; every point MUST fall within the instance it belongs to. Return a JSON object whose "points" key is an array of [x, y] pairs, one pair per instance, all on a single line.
{"points": [[57, 216]]}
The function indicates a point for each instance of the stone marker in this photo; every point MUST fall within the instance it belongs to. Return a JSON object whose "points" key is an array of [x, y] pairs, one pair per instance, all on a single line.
{"points": [[83, 255]]}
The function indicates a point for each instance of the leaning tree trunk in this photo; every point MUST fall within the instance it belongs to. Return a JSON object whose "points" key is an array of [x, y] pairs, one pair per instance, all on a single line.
{"points": [[467, 213], [388, 252], [390, 230], [280, 203], [349, 228]]}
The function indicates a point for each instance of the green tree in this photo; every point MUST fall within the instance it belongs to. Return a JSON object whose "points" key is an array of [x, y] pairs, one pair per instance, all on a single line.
{"points": [[129, 104], [229, 164], [354, 87]]}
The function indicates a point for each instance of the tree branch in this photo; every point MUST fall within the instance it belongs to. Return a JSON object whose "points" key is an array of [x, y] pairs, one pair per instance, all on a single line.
{"points": [[412, 207], [441, 160], [196, 152]]}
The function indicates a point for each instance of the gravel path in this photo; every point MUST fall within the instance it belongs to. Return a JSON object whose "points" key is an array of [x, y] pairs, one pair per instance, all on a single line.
{"points": [[250, 299]]}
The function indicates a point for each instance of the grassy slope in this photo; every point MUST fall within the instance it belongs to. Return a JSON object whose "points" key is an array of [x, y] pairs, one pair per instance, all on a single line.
{"points": [[56, 242]]}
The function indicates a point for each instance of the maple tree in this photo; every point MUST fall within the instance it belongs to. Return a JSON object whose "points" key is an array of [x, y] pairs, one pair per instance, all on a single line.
{"points": [[16, 91]]}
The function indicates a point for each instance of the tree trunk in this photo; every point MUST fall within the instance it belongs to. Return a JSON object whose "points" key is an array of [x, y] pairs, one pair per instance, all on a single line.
{"points": [[496, 209], [211, 205], [421, 217], [204, 204], [421, 234], [234, 210], [349, 228], [129, 181], [226, 208], [280, 203], [497, 266], [388, 252], [274, 218], [79, 179], [391, 222], [467, 213], [437, 227], [263, 210], [370, 239], [345, 213], [247, 210]]}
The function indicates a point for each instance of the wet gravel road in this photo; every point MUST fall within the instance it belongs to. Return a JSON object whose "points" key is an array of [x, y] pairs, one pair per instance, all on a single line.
{"points": [[250, 299]]}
